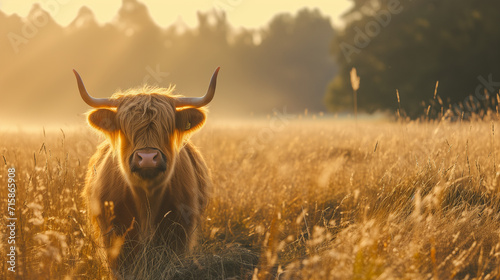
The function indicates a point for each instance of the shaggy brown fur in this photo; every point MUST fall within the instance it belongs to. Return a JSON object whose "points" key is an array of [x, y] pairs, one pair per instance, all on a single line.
{"points": [[165, 209]]}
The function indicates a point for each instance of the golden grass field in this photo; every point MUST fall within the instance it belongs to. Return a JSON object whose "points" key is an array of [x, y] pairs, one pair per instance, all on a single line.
{"points": [[292, 199]]}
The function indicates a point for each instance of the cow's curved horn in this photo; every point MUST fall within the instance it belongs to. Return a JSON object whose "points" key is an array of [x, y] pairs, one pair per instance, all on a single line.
{"points": [[91, 101], [200, 101]]}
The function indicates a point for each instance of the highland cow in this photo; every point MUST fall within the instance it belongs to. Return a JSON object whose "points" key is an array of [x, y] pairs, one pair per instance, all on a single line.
{"points": [[147, 181]]}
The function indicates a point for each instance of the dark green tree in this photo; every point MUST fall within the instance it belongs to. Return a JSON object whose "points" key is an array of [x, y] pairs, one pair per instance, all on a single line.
{"points": [[409, 45]]}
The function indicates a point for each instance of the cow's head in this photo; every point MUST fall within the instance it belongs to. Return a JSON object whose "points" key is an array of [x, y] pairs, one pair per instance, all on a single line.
{"points": [[147, 128]]}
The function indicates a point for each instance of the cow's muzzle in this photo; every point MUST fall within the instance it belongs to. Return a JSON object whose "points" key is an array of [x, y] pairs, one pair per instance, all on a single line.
{"points": [[148, 162]]}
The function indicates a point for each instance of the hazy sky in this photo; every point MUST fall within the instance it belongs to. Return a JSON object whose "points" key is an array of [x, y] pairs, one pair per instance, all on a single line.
{"points": [[240, 13]]}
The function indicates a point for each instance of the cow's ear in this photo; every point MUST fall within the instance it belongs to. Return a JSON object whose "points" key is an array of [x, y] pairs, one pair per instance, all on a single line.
{"points": [[189, 119], [103, 119]]}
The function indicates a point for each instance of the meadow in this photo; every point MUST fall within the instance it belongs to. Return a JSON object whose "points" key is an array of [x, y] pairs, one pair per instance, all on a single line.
{"points": [[292, 199]]}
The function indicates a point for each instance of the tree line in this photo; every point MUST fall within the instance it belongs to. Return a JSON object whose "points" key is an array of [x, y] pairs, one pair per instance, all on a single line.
{"points": [[439, 55], [283, 66]]}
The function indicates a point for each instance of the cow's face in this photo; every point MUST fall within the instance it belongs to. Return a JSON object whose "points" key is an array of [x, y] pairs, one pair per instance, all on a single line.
{"points": [[147, 132], [147, 129]]}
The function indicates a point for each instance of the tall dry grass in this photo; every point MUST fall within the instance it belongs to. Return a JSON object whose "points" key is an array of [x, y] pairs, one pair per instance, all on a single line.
{"points": [[310, 199]]}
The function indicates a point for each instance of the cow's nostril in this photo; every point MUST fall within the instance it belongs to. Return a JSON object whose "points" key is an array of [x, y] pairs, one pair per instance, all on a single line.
{"points": [[148, 163], [148, 160]]}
